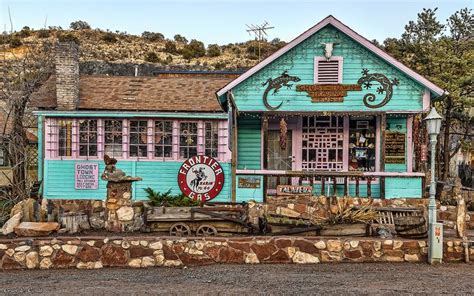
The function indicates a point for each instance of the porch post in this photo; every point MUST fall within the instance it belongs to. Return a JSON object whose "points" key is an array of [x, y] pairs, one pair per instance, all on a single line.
{"points": [[265, 141], [383, 126], [234, 155]]}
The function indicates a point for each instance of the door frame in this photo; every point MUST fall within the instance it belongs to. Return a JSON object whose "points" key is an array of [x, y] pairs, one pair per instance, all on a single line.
{"points": [[293, 126]]}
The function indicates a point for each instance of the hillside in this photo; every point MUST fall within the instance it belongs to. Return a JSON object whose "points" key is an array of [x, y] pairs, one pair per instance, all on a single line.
{"points": [[149, 48]]}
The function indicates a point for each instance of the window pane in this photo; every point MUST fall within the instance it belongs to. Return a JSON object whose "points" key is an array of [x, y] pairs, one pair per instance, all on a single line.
{"points": [[87, 137], [113, 138], [65, 137], [211, 138], [138, 138], [188, 139]]}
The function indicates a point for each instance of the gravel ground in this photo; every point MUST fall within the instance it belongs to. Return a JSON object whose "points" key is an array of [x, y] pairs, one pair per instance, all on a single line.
{"points": [[338, 279]]}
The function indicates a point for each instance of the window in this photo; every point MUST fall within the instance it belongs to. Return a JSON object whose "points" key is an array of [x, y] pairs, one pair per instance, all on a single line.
{"points": [[138, 138], [211, 138], [362, 144], [64, 137], [163, 138], [323, 138], [188, 134], [113, 138], [87, 137], [328, 72]]}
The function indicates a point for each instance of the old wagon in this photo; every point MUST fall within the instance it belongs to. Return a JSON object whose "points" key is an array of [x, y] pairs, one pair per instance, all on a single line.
{"points": [[210, 219]]}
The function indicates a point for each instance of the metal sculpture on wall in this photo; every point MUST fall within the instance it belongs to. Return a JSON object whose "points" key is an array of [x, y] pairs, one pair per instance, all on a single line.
{"points": [[276, 84], [386, 87]]}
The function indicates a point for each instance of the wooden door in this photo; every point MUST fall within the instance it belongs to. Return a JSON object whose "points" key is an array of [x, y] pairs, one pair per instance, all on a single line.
{"points": [[277, 158]]}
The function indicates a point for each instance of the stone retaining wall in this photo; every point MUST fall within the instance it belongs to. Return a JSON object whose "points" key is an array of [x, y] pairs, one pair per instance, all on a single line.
{"points": [[99, 252]]}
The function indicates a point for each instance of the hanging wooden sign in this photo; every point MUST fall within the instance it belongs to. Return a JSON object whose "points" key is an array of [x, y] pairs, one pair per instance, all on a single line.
{"points": [[249, 182], [394, 147], [328, 92]]}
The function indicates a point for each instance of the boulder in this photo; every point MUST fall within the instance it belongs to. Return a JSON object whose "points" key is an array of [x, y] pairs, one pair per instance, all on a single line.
{"points": [[36, 228], [125, 213], [13, 222]]}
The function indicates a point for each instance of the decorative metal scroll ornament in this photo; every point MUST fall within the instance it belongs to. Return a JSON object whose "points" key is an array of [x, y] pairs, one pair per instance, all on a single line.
{"points": [[386, 87], [283, 80]]}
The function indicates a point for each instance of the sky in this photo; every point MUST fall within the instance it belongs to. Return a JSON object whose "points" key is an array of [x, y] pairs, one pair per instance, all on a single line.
{"points": [[224, 21]]}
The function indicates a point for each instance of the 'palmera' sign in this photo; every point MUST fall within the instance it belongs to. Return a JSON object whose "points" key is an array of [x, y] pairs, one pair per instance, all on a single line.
{"points": [[294, 190]]}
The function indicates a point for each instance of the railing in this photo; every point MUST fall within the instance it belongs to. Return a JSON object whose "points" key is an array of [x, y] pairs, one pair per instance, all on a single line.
{"points": [[327, 180]]}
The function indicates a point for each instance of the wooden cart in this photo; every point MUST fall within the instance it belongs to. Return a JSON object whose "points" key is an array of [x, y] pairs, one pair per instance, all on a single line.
{"points": [[208, 220]]}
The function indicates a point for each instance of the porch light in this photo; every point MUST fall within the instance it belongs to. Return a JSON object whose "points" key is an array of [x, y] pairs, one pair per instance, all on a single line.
{"points": [[433, 122]]}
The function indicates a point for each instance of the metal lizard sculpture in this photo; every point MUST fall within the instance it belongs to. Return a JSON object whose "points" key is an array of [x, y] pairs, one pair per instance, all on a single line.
{"points": [[276, 84], [386, 86]]}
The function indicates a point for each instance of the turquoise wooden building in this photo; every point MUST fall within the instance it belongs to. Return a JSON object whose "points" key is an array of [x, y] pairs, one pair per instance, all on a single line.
{"points": [[331, 111]]}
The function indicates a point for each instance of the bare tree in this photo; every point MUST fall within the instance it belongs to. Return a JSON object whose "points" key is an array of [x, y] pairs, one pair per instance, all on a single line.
{"points": [[24, 71]]}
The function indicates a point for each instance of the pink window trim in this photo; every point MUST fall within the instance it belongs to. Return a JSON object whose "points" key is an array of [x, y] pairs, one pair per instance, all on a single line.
{"points": [[52, 140], [334, 58]]}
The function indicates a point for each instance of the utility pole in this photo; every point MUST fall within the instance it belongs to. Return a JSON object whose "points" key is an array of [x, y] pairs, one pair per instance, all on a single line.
{"points": [[260, 32]]}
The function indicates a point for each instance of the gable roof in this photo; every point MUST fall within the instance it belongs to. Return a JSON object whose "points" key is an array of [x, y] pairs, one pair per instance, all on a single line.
{"points": [[330, 20], [165, 92]]}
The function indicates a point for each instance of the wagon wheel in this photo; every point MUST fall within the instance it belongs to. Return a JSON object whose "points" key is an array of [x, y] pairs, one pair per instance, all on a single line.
{"points": [[206, 230], [180, 229]]}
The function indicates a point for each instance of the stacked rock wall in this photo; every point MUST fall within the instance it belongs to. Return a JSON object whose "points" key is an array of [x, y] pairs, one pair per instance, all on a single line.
{"points": [[99, 252]]}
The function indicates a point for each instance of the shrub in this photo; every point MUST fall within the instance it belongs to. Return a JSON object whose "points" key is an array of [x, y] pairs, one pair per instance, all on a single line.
{"points": [[152, 57], [169, 59], [79, 25], [179, 38], [43, 33], [25, 32], [15, 42], [158, 199], [109, 37], [219, 65], [194, 49], [170, 47], [213, 50], [67, 37], [153, 37]]}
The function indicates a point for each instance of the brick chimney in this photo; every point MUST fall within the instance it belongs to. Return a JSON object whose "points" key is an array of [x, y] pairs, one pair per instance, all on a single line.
{"points": [[67, 75]]}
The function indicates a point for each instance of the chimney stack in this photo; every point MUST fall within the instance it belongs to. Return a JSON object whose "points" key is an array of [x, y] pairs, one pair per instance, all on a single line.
{"points": [[67, 75]]}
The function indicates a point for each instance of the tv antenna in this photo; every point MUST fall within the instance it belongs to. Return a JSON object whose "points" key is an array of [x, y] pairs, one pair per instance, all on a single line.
{"points": [[260, 33]]}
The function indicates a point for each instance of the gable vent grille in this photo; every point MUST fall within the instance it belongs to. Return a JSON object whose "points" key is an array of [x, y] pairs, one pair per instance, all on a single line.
{"points": [[328, 72]]}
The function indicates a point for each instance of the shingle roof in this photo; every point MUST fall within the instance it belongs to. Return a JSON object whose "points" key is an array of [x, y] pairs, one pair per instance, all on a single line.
{"points": [[165, 92]]}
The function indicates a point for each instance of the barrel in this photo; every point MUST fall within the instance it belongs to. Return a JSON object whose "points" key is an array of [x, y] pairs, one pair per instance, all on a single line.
{"points": [[411, 226]]}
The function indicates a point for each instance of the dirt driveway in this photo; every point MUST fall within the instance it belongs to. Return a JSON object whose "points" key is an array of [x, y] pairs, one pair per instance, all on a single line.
{"points": [[375, 279]]}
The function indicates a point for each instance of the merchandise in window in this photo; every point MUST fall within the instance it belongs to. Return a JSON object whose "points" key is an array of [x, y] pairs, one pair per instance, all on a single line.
{"points": [[163, 138], [188, 135], [87, 137], [211, 139], [138, 138], [113, 138], [362, 144]]}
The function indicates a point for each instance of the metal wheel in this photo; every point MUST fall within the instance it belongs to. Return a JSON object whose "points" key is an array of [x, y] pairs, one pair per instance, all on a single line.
{"points": [[206, 230], [180, 229]]}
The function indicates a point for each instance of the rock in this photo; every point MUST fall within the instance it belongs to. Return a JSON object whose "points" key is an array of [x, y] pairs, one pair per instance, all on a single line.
{"points": [[113, 255], [19, 256], [10, 252], [96, 222], [10, 263], [46, 263], [377, 245], [88, 254], [144, 243], [321, 245], [125, 213], [70, 249], [148, 261], [156, 245], [170, 263], [46, 251], [89, 265], [13, 222], [450, 244], [330, 257], [354, 244], [22, 248], [32, 260], [63, 259], [138, 252], [3, 247], [159, 259], [411, 258], [305, 246], [353, 254], [36, 228], [304, 258], [125, 245], [287, 212], [251, 258], [135, 263], [397, 244], [263, 251], [334, 246]]}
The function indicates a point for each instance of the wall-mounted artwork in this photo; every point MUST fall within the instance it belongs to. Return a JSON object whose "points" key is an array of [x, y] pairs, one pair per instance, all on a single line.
{"points": [[275, 84], [386, 87]]}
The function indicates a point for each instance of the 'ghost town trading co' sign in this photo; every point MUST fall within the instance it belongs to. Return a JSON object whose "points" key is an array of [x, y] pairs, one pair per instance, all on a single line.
{"points": [[201, 177], [86, 175], [328, 92]]}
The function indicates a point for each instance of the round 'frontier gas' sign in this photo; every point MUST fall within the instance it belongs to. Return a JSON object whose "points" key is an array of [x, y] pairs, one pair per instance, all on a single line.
{"points": [[201, 178]]}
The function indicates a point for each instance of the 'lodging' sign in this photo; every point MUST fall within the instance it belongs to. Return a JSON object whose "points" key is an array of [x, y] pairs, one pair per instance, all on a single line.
{"points": [[86, 175]]}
